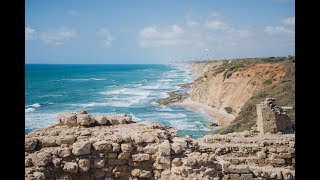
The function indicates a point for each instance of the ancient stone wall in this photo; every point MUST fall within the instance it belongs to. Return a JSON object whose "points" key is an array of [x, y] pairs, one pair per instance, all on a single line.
{"points": [[113, 147], [272, 118]]}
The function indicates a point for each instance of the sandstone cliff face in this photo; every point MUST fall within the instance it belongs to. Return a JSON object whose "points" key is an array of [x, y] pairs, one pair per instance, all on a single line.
{"points": [[148, 150], [230, 91]]}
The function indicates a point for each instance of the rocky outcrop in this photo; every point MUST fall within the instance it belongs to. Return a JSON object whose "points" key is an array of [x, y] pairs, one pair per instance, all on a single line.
{"points": [[148, 150]]}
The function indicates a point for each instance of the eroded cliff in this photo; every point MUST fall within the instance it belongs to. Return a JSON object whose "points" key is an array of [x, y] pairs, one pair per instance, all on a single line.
{"points": [[237, 85]]}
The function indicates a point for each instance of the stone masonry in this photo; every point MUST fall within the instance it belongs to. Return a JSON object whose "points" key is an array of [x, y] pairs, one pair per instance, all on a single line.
{"points": [[114, 147], [272, 118]]}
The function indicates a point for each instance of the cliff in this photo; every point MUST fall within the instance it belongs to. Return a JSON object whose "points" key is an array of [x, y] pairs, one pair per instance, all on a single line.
{"points": [[236, 86], [113, 147]]}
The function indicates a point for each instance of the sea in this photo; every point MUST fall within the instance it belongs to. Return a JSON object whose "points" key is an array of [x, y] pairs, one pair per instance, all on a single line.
{"points": [[110, 89]]}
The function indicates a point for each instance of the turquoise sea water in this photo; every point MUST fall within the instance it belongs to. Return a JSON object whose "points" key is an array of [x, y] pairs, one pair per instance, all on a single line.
{"points": [[109, 89]]}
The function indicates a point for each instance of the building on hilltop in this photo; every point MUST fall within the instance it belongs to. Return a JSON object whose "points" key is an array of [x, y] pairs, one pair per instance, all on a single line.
{"points": [[272, 118]]}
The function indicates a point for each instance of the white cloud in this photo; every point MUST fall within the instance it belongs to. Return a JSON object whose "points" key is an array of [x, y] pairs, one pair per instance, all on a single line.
{"points": [[215, 14], [106, 36], [216, 25], [72, 12], [58, 36], [238, 33], [152, 36], [30, 33], [192, 23], [278, 30], [290, 21]]}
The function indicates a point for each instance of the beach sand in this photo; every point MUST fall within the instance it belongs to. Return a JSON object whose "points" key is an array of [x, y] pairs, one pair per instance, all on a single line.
{"points": [[223, 117]]}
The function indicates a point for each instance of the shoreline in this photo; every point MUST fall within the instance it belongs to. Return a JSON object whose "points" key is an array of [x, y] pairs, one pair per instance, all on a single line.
{"points": [[224, 119]]}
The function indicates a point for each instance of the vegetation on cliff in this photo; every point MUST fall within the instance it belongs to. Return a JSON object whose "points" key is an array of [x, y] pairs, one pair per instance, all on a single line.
{"points": [[283, 92]]}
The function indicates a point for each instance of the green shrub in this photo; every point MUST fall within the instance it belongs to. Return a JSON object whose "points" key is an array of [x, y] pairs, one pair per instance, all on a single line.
{"points": [[267, 82]]}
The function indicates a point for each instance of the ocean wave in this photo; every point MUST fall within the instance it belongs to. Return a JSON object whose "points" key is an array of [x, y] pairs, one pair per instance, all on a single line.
{"points": [[50, 95], [28, 110], [35, 105], [135, 118], [165, 80], [190, 126], [127, 91], [171, 115], [39, 120], [83, 79], [164, 109]]}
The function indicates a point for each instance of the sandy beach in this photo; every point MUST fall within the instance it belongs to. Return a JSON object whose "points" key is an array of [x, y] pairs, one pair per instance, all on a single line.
{"points": [[223, 117]]}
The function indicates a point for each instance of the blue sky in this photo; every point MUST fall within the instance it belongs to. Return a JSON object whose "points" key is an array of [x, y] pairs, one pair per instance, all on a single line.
{"points": [[150, 31]]}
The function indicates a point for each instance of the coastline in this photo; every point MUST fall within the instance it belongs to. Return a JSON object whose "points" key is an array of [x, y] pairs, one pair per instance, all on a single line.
{"points": [[224, 119]]}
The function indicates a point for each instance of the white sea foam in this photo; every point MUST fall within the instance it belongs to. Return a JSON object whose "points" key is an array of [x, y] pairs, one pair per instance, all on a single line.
{"points": [[40, 120], [172, 115], [36, 105], [50, 95], [135, 118], [127, 91], [191, 126], [164, 109], [98, 79], [28, 110]]}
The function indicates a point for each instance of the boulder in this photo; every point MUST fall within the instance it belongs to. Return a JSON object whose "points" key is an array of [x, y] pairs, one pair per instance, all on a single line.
{"points": [[102, 145], [165, 148], [70, 167], [150, 149], [30, 144], [214, 124], [68, 118], [84, 165], [63, 152], [102, 120], [176, 162], [124, 155], [66, 139], [120, 119], [41, 158], [135, 172], [126, 147], [83, 112], [85, 119], [140, 157], [145, 174], [38, 175], [81, 148], [48, 141], [177, 148], [27, 161], [99, 163], [164, 159]]}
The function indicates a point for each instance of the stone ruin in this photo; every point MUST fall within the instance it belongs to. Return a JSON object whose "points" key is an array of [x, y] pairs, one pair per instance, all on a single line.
{"points": [[85, 147], [272, 118]]}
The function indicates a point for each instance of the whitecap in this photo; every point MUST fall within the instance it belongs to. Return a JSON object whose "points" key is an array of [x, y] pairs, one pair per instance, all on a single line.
{"points": [[50, 95], [36, 105], [172, 115], [28, 110], [190, 126], [98, 79]]}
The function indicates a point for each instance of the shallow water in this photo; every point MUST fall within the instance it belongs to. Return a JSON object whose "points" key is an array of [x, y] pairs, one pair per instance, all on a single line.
{"points": [[109, 89]]}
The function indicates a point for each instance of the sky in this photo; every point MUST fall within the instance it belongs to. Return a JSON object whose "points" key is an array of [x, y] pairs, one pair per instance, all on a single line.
{"points": [[156, 32]]}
